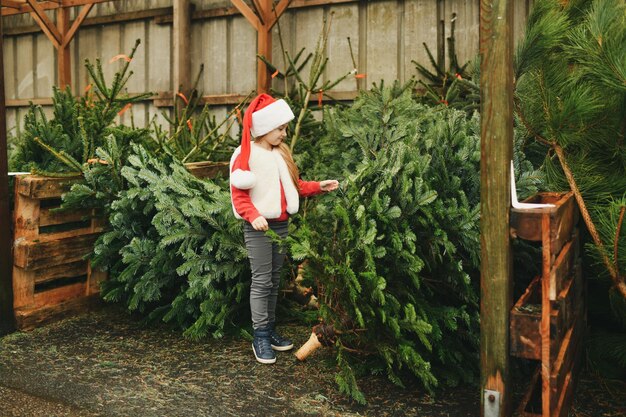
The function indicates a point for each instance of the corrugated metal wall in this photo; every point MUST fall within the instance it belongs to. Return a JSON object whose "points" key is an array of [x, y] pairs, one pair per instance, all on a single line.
{"points": [[386, 35]]}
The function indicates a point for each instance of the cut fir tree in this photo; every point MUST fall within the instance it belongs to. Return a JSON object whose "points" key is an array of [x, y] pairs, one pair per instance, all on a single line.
{"points": [[395, 254]]}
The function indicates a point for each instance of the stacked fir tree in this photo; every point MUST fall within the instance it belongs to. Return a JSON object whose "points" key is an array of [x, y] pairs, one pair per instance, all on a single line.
{"points": [[395, 255]]}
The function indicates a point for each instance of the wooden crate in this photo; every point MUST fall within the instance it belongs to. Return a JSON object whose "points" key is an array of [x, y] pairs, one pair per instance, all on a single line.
{"points": [[548, 321], [526, 223], [207, 169], [525, 320], [51, 277]]}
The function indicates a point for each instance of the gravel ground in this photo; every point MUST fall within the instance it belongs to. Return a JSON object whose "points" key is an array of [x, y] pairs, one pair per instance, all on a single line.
{"points": [[107, 363]]}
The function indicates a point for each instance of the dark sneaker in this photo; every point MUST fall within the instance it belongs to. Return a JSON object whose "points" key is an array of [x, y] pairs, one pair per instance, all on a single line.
{"points": [[278, 342], [261, 346]]}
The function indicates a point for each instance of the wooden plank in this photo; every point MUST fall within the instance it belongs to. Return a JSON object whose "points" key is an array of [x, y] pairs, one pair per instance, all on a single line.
{"points": [[308, 24], [524, 328], [563, 266], [181, 42], [64, 61], [47, 25], [242, 55], [25, 217], [53, 250], [526, 224], [247, 12], [382, 47], [49, 5], [420, 27], [138, 82], [37, 187], [344, 22], [12, 4], [525, 321], [496, 109], [49, 217], [28, 319], [570, 301], [214, 54], [111, 45], [59, 295], [9, 63], [25, 102], [67, 38], [94, 279], [545, 330], [24, 67], [159, 47], [23, 287], [466, 14], [68, 270], [44, 78], [565, 361]]}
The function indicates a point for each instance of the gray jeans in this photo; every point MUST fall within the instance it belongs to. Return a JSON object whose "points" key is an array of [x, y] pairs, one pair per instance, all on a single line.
{"points": [[266, 260]]}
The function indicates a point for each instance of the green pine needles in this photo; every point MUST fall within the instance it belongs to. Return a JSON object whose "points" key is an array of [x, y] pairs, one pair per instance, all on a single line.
{"points": [[78, 127], [174, 250], [395, 255]]}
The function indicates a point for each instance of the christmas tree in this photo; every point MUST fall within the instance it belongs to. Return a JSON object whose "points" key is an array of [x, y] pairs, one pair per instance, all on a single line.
{"points": [[395, 255], [571, 98]]}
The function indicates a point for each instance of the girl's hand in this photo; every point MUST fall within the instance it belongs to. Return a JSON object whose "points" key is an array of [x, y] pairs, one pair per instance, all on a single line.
{"points": [[260, 223], [329, 185]]}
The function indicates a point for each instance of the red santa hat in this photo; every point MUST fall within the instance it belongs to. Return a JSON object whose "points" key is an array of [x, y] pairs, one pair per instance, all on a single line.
{"points": [[263, 115]]}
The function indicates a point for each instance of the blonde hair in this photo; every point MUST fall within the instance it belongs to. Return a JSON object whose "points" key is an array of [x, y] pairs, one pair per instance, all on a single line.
{"points": [[294, 173]]}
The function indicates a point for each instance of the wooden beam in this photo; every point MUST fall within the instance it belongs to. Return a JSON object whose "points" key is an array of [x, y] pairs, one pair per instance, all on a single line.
{"points": [[278, 11], [259, 11], [6, 239], [67, 38], [64, 61], [247, 13], [107, 20], [496, 109], [12, 4], [181, 45], [46, 24], [49, 5]]}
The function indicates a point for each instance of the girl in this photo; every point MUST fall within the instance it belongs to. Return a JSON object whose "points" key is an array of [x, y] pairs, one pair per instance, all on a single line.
{"points": [[265, 189]]}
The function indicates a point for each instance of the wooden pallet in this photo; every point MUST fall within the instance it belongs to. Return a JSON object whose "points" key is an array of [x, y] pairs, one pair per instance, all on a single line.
{"points": [[548, 321], [51, 277]]}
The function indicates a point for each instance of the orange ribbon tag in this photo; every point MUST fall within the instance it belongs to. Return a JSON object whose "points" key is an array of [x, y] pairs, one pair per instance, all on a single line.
{"points": [[359, 76], [239, 116], [320, 95], [182, 96], [87, 88], [126, 107], [275, 74], [118, 57], [189, 125]]}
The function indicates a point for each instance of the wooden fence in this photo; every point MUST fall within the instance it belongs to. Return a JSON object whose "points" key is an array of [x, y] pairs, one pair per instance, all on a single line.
{"points": [[386, 35]]}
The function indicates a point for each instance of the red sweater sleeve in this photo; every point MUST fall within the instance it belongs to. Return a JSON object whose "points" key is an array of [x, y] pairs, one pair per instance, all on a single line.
{"points": [[243, 204], [309, 188]]}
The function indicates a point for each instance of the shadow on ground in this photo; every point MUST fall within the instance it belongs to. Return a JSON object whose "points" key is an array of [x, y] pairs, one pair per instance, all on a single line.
{"points": [[105, 363]]}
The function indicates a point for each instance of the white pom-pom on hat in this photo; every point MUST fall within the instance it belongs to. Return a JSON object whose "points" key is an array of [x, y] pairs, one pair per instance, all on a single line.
{"points": [[244, 180]]}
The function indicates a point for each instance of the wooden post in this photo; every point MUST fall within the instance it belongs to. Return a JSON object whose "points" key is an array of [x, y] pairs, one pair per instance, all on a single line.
{"points": [[63, 50], [6, 281], [264, 47], [496, 89], [263, 21], [182, 57]]}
